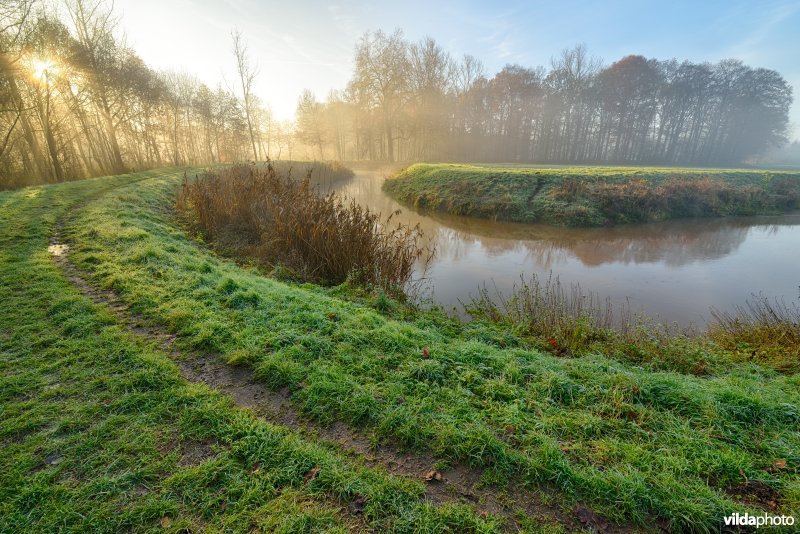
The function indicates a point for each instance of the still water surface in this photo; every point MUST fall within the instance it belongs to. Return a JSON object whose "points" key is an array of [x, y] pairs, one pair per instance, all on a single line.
{"points": [[673, 270]]}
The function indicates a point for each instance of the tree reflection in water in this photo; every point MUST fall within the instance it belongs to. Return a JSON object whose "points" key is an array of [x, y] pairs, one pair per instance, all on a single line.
{"points": [[676, 269]]}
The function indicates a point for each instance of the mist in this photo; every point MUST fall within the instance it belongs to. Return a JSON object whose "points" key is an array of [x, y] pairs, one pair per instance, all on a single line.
{"points": [[78, 101]]}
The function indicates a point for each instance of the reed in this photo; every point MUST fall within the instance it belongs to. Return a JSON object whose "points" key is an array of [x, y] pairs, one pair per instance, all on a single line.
{"points": [[567, 319], [265, 213]]}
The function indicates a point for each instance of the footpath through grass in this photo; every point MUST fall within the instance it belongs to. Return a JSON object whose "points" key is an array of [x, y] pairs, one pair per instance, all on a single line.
{"points": [[636, 442], [594, 196], [98, 431]]}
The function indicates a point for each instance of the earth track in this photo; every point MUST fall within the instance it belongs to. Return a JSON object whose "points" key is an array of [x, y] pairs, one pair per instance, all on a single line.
{"points": [[457, 484]]}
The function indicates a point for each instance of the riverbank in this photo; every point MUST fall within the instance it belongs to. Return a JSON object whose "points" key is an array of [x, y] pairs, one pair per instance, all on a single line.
{"points": [[593, 196], [109, 424], [596, 438]]}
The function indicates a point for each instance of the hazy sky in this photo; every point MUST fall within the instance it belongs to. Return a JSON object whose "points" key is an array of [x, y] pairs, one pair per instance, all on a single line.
{"points": [[309, 44]]}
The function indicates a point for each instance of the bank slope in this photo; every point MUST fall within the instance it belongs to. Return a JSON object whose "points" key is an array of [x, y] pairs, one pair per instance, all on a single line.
{"points": [[634, 442], [100, 433], [593, 196]]}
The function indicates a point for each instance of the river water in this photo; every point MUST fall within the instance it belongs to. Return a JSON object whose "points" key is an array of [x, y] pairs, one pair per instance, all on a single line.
{"points": [[674, 271]]}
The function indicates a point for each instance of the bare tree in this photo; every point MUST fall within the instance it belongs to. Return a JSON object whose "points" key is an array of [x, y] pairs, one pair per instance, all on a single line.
{"points": [[311, 122], [247, 74], [94, 24]]}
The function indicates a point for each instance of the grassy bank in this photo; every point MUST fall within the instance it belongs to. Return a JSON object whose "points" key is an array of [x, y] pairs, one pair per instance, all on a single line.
{"points": [[99, 432], [594, 196], [640, 442]]}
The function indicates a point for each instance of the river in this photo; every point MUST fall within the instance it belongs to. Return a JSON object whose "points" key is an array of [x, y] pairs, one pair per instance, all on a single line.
{"points": [[674, 271]]}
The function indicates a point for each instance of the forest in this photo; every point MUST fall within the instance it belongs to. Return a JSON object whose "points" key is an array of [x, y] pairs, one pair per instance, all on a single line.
{"points": [[76, 101], [413, 101]]}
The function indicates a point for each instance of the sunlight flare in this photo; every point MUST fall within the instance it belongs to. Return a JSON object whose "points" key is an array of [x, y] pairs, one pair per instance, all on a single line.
{"points": [[43, 68]]}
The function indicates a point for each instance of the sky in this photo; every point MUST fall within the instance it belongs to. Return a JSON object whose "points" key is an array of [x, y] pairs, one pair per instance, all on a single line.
{"points": [[309, 43]]}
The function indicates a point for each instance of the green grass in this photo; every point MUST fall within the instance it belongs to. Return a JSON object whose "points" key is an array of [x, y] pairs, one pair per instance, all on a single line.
{"points": [[634, 441], [98, 431], [593, 196]]}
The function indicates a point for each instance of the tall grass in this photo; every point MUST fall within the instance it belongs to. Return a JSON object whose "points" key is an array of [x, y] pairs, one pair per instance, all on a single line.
{"points": [[264, 213], [764, 329], [566, 320], [548, 307]]}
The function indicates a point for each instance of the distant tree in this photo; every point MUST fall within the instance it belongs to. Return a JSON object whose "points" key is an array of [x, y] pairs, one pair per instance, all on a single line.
{"points": [[310, 122], [247, 74], [100, 55], [380, 80]]}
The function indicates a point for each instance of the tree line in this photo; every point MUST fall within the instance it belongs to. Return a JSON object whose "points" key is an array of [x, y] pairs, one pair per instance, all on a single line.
{"points": [[415, 102], [76, 101]]}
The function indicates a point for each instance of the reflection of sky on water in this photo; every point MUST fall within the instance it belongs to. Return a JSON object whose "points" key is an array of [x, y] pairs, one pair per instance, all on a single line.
{"points": [[676, 269]]}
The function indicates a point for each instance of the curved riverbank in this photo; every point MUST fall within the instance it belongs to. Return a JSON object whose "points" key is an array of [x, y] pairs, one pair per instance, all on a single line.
{"points": [[593, 196]]}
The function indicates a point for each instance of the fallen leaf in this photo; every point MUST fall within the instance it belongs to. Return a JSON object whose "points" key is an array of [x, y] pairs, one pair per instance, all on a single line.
{"points": [[779, 464], [311, 475], [256, 468], [165, 522], [433, 475]]}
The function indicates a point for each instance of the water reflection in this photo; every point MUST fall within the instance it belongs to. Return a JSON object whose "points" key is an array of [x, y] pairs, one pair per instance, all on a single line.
{"points": [[675, 269]]}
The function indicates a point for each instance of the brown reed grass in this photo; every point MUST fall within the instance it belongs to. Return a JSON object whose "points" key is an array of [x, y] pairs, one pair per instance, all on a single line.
{"points": [[265, 213]]}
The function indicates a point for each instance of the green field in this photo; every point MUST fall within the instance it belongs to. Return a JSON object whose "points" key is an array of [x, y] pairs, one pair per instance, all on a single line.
{"points": [[593, 196], [101, 431]]}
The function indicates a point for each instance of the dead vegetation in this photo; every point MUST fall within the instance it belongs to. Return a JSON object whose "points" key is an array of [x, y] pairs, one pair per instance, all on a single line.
{"points": [[265, 213]]}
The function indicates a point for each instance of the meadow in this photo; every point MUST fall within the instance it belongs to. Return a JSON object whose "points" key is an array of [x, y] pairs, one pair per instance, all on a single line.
{"points": [[101, 430], [593, 196]]}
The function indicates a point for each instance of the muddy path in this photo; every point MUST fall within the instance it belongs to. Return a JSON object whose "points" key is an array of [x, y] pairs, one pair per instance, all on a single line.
{"points": [[457, 483]]}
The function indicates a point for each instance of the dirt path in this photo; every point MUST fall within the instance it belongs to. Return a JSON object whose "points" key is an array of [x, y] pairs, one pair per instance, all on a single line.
{"points": [[455, 484]]}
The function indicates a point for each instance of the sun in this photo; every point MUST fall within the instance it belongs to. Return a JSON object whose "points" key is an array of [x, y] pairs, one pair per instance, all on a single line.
{"points": [[43, 68]]}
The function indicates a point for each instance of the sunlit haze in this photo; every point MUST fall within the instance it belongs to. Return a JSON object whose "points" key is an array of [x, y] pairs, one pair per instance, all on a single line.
{"points": [[309, 44]]}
